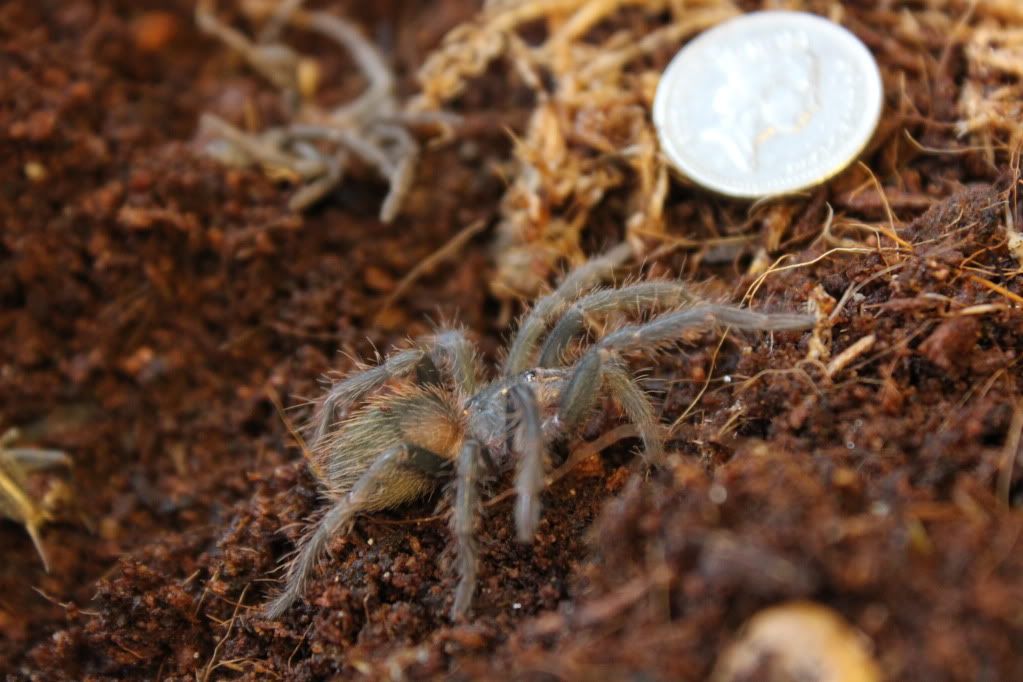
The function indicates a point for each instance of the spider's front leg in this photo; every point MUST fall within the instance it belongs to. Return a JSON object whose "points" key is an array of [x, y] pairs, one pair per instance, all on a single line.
{"points": [[638, 297], [602, 366], [397, 476], [489, 418], [580, 280]]}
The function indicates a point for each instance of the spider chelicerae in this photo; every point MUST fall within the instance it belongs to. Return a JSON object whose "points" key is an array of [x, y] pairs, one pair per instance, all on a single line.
{"points": [[392, 433]]}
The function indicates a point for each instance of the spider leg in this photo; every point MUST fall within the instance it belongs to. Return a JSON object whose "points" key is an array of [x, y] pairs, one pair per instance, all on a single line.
{"points": [[448, 350], [599, 368], [239, 148], [374, 490], [575, 284], [375, 146], [354, 141], [450, 347], [317, 188], [638, 409], [529, 479], [342, 394], [665, 329], [463, 524], [337, 520], [640, 296]]}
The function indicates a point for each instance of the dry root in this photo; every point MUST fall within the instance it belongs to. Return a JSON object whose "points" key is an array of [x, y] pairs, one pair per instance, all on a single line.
{"points": [[316, 147], [991, 102], [589, 133]]}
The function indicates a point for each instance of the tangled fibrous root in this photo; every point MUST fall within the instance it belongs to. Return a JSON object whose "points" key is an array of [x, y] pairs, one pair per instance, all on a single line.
{"points": [[317, 146], [991, 103], [589, 133]]}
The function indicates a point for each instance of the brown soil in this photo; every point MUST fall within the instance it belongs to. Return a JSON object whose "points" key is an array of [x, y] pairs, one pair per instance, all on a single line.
{"points": [[156, 306]]}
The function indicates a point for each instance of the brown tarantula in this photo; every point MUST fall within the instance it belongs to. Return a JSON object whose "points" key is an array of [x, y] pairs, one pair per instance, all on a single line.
{"points": [[441, 414]]}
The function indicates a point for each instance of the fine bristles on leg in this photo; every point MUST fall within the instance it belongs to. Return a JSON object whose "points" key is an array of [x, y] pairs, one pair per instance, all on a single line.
{"points": [[463, 525], [581, 392], [666, 328], [578, 282], [338, 520], [529, 479], [342, 394], [599, 369], [767, 322], [637, 408], [372, 491], [639, 297], [452, 349]]}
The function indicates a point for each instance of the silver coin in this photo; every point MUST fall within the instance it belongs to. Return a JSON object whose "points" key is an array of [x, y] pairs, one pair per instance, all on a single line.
{"points": [[768, 103]]}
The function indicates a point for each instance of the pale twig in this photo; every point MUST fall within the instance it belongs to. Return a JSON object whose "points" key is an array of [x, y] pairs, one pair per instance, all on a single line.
{"points": [[997, 288], [448, 250], [847, 356], [211, 665], [1010, 453], [776, 267], [706, 383]]}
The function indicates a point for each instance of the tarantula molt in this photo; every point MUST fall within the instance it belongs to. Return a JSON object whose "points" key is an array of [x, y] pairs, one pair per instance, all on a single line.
{"points": [[427, 413]]}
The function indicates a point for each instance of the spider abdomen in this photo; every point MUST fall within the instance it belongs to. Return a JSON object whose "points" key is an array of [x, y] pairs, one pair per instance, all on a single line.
{"points": [[419, 420]]}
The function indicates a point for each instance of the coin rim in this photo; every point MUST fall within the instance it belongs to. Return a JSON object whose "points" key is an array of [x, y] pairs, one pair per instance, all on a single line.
{"points": [[668, 87]]}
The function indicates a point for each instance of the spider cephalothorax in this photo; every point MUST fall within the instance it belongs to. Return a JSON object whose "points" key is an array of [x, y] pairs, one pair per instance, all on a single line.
{"points": [[427, 414]]}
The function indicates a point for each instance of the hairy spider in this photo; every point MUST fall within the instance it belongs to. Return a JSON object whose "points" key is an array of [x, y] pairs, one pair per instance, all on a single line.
{"points": [[440, 414]]}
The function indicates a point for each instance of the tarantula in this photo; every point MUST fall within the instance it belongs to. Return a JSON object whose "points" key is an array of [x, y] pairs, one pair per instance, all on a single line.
{"points": [[440, 415]]}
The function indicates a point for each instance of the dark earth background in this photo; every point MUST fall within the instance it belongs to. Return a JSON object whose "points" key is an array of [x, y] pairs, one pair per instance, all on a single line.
{"points": [[156, 305]]}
